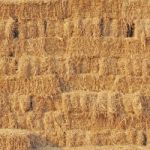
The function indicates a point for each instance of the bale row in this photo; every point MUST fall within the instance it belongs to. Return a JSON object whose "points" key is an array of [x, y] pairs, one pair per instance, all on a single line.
{"points": [[76, 138], [85, 82], [96, 82], [94, 27], [113, 47], [42, 84], [76, 111], [28, 65], [106, 103], [76, 46], [64, 9], [22, 104], [135, 66]]}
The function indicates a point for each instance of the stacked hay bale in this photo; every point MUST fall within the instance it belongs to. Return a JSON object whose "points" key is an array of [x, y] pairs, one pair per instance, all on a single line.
{"points": [[74, 71], [16, 139]]}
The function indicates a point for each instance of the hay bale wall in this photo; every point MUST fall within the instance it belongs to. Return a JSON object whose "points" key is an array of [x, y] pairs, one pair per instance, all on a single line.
{"points": [[75, 71]]}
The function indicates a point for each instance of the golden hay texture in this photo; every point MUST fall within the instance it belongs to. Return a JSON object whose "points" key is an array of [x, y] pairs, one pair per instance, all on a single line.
{"points": [[74, 74], [15, 139]]}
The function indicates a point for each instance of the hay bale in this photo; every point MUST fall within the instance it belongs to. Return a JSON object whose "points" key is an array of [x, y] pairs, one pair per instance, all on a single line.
{"points": [[75, 102], [121, 84], [137, 66], [140, 104], [26, 103], [104, 69], [71, 102], [115, 104], [127, 103], [83, 46], [21, 104], [54, 121], [31, 30], [108, 66], [118, 137], [141, 138], [8, 120], [60, 121], [91, 82], [4, 104], [59, 29], [136, 137], [100, 138], [54, 128], [2, 30], [35, 46], [35, 63], [71, 28], [66, 102], [101, 103], [114, 28], [80, 121], [3, 66], [8, 28], [24, 68], [137, 104], [88, 101], [42, 27], [94, 66], [57, 66], [51, 28], [75, 138], [56, 138], [28, 66], [44, 103], [34, 120], [68, 28], [148, 136], [78, 65], [16, 139], [55, 46], [145, 67], [88, 27], [126, 66], [48, 121], [21, 120], [95, 28], [79, 101]]}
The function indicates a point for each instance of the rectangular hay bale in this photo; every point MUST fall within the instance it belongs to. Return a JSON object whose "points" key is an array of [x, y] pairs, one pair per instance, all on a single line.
{"points": [[15, 139]]}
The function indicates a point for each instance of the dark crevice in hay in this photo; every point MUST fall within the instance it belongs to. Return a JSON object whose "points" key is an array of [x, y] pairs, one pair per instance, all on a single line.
{"points": [[130, 30], [31, 104], [15, 30], [11, 54], [101, 26], [45, 26], [144, 140], [15, 33]]}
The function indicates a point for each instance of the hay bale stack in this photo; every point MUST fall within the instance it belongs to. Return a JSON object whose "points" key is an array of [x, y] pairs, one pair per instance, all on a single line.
{"points": [[75, 71]]}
